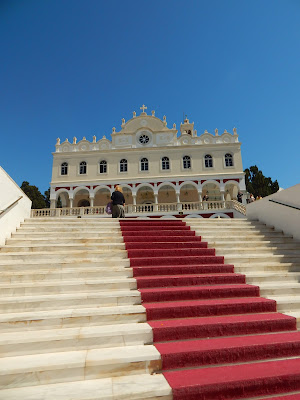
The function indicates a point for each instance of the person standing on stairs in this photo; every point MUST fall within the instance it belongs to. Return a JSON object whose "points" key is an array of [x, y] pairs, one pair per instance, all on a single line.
{"points": [[118, 201]]}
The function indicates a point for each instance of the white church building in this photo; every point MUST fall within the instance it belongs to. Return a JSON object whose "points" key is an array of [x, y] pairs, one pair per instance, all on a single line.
{"points": [[162, 172]]}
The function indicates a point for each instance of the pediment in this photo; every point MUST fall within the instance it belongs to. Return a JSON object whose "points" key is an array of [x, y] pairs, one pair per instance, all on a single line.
{"points": [[148, 122]]}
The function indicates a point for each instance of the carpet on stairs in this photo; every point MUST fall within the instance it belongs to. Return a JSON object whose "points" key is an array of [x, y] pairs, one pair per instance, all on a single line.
{"points": [[217, 337]]}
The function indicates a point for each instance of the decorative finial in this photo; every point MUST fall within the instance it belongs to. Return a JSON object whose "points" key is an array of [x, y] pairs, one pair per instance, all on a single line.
{"points": [[104, 137], [58, 141], [143, 108], [165, 120], [216, 132], [84, 138], [234, 131], [94, 139], [153, 113], [225, 131], [74, 140], [113, 130], [174, 126], [205, 131], [67, 140], [123, 121], [134, 114]]}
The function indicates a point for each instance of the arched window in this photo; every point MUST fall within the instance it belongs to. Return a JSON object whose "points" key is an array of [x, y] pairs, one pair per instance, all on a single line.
{"points": [[82, 168], [208, 161], [103, 167], [64, 168], [186, 162], [123, 165], [228, 160], [165, 163], [144, 164]]}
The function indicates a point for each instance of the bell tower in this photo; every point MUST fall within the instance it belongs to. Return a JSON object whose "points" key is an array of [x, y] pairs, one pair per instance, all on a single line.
{"points": [[187, 127]]}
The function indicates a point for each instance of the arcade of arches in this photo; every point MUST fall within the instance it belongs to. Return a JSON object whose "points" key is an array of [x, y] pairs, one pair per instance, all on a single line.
{"points": [[145, 193]]}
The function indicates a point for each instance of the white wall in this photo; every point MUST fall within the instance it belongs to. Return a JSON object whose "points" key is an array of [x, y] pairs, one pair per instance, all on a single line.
{"points": [[281, 217], [11, 219]]}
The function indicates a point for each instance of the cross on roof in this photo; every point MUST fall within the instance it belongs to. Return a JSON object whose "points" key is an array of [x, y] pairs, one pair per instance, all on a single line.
{"points": [[143, 108]]}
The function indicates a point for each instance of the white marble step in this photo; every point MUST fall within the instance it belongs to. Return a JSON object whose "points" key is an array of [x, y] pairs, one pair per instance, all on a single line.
{"points": [[76, 240], [58, 247], [86, 228], [77, 338], [54, 265], [268, 266], [132, 387], [39, 369], [270, 251], [64, 255], [65, 301], [282, 288], [257, 278], [72, 222], [245, 244], [223, 239], [20, 234], [55, 275], [67, 286], [286, 302], [72, 317], [257, 257]]}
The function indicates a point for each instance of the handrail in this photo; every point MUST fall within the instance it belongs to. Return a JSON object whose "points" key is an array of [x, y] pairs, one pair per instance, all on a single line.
{"points": [[283, 204], [12, 204]]}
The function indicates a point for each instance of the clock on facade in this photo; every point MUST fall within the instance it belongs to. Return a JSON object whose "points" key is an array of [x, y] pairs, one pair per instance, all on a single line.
{"points": [[144, 139]]}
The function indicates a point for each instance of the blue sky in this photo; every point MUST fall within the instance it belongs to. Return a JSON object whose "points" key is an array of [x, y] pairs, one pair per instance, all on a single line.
{"points": [[77, 67]]}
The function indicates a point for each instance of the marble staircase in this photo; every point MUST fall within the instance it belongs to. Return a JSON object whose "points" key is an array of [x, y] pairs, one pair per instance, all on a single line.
{"points": [[71, 324], [268, 258]]}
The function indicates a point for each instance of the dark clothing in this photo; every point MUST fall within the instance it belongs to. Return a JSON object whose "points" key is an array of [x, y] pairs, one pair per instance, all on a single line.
{"points": [[118, 198], [118, 201], [118, 211]]}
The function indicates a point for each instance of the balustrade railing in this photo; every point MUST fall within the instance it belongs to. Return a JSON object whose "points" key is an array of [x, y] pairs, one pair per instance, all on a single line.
{"points": [[142, 209]]}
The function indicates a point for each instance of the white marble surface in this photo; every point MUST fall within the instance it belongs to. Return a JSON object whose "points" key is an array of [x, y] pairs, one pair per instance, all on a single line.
{"points": [[135, 387]]}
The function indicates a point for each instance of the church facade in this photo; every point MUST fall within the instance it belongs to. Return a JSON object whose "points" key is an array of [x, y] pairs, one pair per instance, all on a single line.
{"points": [[157, 167]]}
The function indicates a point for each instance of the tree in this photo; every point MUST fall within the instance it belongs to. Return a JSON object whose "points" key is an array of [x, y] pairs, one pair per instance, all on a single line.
{"points": [[258, 184], [47, 198], [34, 194]]}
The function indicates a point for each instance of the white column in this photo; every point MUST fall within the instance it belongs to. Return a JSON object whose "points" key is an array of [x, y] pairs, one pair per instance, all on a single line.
{"points": [[71, 202], [52, 203], [91, 201], [134, 199], [178, 197], [155, 208]]}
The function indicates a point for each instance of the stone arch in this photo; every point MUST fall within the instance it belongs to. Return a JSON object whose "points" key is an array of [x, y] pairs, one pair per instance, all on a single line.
{"points": [[193, 216], [167, 193], [166, 183], [101, 187], [221, 215], [78, 188], [190, 183], [127, 192], [145, 194], [231, 190], [211, 189], [64, 196], [102, 195], [189, 192], [79, 194]]}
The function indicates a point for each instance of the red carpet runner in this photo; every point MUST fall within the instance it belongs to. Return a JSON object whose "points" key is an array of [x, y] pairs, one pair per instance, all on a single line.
{"points": [[217, 338]]}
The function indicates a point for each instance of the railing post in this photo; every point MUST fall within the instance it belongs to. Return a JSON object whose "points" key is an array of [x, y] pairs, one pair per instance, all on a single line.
{"points": [[57, 212]]}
